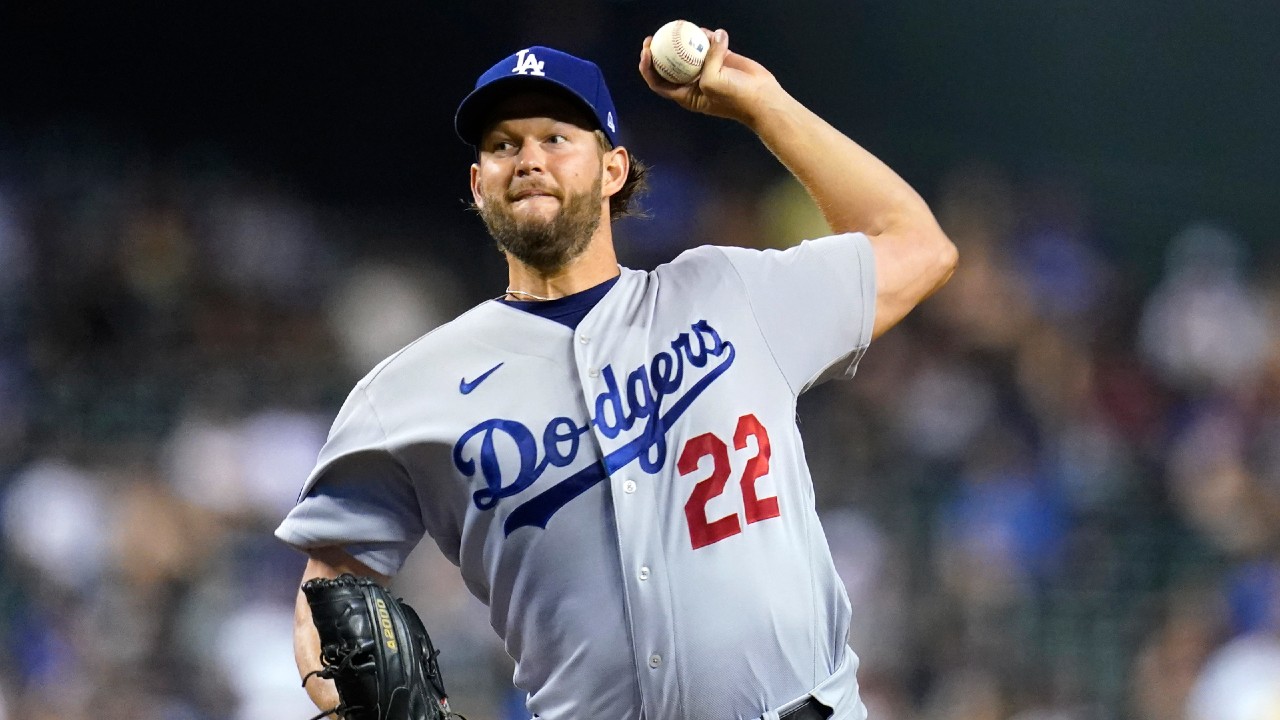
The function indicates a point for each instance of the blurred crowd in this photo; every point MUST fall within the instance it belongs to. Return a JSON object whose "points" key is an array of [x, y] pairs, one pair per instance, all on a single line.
{"points": [[1053, 493]]}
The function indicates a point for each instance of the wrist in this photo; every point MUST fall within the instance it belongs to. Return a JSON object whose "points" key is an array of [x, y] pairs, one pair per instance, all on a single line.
{"points": [[771, 113]]}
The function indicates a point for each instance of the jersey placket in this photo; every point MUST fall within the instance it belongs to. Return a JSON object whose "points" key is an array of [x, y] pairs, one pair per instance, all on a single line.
{"points": [[645, 584]]}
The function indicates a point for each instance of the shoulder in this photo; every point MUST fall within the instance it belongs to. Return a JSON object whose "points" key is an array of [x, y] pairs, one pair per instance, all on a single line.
{"points": [[842, 252], [697, 271], [720, 255], [814, 264], [701, 255], [435, 349], [694, 262]]}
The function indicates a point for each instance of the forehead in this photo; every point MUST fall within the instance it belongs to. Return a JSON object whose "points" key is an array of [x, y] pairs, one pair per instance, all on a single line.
{"points": [[529, 104]]}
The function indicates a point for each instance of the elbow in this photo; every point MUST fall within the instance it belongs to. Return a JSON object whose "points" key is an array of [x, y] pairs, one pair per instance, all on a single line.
{"points": [[948, 257], [935, 256], [909, 269], [943, 256]]}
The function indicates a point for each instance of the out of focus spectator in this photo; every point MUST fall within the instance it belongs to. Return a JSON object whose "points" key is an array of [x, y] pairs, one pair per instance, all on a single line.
{"points": [[1049, 499], [1203, 327]]}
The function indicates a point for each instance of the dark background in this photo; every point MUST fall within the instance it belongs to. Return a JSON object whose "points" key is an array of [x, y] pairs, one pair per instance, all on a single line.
{"points": [[1166, 110]]}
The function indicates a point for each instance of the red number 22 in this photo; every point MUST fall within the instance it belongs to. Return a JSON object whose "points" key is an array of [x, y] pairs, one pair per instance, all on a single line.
{"points": [[703, 532]]}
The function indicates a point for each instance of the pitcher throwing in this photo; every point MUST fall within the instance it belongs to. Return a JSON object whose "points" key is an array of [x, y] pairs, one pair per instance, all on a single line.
{"points": [[611, 456]]}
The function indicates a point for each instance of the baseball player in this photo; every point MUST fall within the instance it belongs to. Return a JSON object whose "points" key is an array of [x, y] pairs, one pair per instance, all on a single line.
{"points": [[611, 456]]}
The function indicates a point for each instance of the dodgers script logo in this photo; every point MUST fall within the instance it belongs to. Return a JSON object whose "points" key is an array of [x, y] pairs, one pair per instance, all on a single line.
{"points": [[639, 398]]}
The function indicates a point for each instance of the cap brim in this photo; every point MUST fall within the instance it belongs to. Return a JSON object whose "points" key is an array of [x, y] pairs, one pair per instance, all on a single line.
{"points": [[476, 110]]}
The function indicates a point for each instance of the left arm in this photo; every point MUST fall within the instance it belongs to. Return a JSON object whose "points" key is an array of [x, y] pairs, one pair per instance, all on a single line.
{"points": [[855, 191], [326, 562]]}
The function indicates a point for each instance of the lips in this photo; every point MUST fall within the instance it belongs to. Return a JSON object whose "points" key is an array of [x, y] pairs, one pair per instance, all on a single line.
{"points": [[525, 193]]}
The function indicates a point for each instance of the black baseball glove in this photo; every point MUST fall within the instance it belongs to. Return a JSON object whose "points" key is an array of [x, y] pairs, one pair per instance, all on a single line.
{"points": [[376, 650]]}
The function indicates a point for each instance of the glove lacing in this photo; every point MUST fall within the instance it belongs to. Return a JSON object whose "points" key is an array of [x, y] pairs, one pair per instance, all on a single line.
{"points": [[330, 671]]}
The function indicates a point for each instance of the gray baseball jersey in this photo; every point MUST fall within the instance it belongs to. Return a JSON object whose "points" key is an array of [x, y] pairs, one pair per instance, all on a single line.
{"points": [[630, 499]]}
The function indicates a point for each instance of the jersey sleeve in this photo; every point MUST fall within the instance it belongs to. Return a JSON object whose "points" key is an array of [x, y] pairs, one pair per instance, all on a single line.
{"points": [[359, 496], [814, 304]]}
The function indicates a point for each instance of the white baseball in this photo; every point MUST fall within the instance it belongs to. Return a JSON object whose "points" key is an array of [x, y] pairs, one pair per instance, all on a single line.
{"points": [[678, 49]]}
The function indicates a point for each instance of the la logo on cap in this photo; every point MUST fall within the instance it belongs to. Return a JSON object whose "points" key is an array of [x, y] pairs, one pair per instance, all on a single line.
{"points": [[528, 64]]}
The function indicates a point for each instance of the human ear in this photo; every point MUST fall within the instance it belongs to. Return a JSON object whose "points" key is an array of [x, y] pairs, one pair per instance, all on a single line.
{"points": [[617, 164], [476, 196]]}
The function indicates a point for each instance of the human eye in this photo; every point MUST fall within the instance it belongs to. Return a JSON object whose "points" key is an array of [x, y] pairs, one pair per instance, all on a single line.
{"points": [[499, 144], [557, 139]]}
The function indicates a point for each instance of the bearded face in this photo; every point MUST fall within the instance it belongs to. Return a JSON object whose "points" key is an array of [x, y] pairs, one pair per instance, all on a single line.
{"points": [[545, 241]]}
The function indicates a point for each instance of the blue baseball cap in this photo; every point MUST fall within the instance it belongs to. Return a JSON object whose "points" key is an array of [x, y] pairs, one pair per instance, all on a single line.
{"points": [[537, 67]]}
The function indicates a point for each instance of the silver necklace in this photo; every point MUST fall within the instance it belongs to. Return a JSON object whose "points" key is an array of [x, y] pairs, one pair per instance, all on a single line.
{"points": [[526, 294]]}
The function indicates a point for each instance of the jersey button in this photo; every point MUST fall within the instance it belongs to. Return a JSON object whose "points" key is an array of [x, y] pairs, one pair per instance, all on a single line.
{"points": [[629, 486], [584, 339], [644, 572], [593, 373], [655, 660]]}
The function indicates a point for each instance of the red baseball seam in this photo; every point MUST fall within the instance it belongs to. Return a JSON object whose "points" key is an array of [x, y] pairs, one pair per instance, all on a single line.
{"points": [[677, 44]]}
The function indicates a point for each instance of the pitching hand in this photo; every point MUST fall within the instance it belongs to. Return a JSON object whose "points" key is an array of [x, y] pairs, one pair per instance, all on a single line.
{"points": [[730, 86]]}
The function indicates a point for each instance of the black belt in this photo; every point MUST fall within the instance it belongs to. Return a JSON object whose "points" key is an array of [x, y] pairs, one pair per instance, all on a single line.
{"points": [[810, 709]]}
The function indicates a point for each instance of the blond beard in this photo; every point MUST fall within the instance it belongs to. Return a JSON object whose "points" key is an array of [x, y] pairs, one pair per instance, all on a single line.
{"points": [[545, 245]]}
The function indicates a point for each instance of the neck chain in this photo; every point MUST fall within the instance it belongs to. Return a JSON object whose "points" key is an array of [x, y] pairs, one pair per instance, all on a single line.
{"points": [[526, 294]]}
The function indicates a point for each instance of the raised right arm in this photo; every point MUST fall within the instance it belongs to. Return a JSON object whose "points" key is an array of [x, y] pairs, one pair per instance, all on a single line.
{"points": [[855, 191]]}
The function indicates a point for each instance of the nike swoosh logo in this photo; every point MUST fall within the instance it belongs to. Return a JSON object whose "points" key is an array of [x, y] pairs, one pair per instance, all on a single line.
{"points": [[465, 387]]}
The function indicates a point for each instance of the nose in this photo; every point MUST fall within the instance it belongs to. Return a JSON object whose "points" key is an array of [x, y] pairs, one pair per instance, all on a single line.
{"points": [[530, 160]]}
